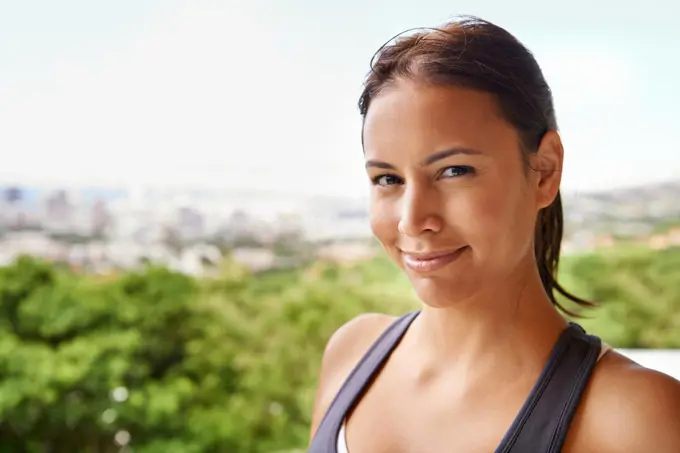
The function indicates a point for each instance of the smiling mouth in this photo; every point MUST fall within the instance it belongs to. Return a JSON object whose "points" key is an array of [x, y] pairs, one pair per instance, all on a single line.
{"points": [[430, 262]]}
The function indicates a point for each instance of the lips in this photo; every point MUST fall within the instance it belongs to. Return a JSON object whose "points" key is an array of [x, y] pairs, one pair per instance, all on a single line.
{"points": [[431, 261]]}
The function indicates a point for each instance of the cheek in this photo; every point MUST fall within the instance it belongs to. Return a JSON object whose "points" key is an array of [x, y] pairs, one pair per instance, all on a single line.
{"points": [[495, 221], [384, 222]]}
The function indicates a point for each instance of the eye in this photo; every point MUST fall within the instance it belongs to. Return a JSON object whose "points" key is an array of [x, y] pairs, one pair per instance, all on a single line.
{"points": [[386, 180], [456, 170]]}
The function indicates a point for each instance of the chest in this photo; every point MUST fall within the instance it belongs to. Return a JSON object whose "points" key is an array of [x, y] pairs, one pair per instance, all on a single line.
{"points": [[529, 411], [507, 413], [394, 416]]}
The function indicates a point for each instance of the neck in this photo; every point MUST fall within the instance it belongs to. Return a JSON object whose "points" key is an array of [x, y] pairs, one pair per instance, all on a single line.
{"points": [[512, 324]]}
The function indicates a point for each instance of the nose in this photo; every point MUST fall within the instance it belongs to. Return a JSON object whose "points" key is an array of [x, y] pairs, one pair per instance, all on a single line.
{"points": [[420, 213]]}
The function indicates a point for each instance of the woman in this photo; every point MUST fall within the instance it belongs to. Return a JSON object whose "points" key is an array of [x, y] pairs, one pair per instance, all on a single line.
{"points": [[462, 150]]}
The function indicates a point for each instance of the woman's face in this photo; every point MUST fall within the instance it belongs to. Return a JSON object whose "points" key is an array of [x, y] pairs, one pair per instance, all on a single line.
{"points": [[451, 199]]}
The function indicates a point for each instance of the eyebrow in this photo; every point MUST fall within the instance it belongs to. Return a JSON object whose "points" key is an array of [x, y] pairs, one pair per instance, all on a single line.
{"points": [[429, 160]]}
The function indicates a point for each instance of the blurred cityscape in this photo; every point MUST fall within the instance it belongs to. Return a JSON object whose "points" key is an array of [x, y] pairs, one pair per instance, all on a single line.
{"points": [[103, 229]]}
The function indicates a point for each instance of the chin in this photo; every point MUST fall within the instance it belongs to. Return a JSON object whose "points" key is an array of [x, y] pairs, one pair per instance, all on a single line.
{"points": [[439, 292]]}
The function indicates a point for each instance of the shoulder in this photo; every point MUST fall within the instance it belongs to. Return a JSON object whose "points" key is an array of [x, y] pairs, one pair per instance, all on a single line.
{"points": [[342, 353], [628, 407]]}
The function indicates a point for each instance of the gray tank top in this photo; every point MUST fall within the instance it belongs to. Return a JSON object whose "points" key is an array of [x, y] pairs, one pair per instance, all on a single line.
{"points": [[540, 426]]}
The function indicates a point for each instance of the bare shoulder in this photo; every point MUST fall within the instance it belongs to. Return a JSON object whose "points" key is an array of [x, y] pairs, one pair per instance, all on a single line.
{"points": [[343, 351], [628, 408]]}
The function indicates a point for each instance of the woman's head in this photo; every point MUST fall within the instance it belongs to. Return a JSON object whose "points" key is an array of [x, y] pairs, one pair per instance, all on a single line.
{"points": [[461, 145]]}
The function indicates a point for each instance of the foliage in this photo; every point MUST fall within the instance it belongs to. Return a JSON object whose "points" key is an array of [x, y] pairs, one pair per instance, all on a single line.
{"points": [[230, 364], [638, 293]]}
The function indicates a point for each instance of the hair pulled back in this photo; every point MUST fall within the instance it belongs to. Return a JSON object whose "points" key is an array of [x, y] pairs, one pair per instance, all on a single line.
{"points": [[470, 52]]}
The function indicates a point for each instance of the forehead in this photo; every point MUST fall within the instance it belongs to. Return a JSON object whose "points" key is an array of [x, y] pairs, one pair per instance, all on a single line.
{"points": [[418, 118]]}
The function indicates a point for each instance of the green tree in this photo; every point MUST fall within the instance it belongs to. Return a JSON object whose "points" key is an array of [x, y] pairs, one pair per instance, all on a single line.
{"points": [[638, 294], [230, 363], [84, 360]]}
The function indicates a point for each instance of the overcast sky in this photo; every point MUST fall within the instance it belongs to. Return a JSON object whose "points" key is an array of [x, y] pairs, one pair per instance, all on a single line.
{"points": [[263, 96]]}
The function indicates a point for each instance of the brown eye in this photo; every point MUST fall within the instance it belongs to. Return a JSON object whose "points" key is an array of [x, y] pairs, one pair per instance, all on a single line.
{"points": [[386, 180], [456, 170]]}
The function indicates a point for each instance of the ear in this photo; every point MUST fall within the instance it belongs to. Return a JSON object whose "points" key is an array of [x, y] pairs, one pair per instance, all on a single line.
{"points": [[547, 165]]}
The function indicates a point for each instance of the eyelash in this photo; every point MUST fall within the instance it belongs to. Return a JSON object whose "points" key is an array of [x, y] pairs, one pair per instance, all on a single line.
{"points": [[461, 170]]}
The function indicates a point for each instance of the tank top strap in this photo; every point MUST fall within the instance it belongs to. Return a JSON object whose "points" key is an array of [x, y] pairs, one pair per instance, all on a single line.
{"points": [[542, 424], [325, 439]]}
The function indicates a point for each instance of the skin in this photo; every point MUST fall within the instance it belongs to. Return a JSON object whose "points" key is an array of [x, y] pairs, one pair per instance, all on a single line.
{"points": [[466, 365]]}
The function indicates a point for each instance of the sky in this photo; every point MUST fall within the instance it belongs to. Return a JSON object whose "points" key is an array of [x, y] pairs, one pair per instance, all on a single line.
{"points": [[262, 95]]}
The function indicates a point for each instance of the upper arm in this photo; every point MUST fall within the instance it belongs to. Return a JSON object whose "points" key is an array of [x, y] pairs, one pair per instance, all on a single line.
{"points": [[635, 410], [343, 351], [651, 418]]}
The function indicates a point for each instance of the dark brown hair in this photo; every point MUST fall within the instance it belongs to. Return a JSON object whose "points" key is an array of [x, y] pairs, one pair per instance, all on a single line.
{"points": [[476, 54]]}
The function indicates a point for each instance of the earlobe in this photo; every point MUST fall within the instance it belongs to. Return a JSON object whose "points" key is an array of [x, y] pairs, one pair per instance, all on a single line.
{"points": [[548, 165]]}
